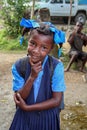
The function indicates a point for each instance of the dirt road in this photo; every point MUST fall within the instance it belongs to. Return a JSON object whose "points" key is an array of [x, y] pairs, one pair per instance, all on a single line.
{"points": [[73, 117]]}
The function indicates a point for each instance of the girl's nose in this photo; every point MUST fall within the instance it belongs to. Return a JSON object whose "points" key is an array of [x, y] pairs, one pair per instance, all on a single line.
{"points": [[36, 50]]}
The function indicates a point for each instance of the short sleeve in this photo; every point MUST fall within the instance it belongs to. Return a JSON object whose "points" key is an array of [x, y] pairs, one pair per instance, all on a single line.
{"points": [[58, 82], [18, 81]]}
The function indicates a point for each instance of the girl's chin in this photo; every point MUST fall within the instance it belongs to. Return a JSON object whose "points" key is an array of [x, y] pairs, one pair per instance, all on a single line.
{"points": [[35, 61]]}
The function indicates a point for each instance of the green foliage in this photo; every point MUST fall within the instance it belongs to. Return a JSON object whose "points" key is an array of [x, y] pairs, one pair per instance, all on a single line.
{"points": [[12, 14], [8, 43]]}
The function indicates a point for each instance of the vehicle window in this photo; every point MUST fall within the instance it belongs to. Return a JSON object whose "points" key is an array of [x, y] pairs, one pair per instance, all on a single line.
{"points": [[68, 1], [42, 0], [57, 1]]}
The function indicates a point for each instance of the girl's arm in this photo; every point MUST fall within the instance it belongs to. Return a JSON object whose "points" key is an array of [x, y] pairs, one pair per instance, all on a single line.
{"points": [[19, 84], [58, 86], [35, 69], [53, 102], [25, 90]]}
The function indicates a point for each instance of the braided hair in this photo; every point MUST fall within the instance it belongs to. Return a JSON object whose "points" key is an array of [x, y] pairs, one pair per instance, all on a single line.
{"points": [[43, 29]]}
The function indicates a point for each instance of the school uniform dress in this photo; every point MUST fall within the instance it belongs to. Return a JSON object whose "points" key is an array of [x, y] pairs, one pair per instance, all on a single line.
{"points": [[41, 91]]}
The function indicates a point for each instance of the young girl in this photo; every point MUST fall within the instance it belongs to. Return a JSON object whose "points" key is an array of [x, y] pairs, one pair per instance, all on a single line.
{"points": [[38, 95]]}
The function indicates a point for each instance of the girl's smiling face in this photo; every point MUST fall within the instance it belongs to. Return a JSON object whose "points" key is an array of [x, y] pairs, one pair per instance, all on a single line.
{"points": [[39, 45]]}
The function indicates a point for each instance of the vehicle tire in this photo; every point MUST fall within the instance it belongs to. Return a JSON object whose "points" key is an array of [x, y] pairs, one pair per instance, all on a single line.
{"points": [[80, 17], [65, 20]]}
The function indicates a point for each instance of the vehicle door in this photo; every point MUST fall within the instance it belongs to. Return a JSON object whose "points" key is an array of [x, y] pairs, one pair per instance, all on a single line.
{"points": [[67, 6], [56, 7]]}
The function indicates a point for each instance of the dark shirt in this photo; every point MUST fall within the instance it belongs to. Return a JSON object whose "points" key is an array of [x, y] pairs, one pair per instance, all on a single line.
{"points": [[77, 44]]}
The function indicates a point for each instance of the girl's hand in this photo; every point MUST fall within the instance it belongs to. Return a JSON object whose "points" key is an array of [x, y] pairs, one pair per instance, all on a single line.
{"points": [[35, 68], [19, 101]]}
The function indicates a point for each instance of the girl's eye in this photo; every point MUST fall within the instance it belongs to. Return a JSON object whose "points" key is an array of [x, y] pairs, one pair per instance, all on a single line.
{"points": [[44, 48], [32, 43]]}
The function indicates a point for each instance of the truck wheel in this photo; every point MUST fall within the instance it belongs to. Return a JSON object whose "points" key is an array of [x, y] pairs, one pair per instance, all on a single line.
{"points": [[80, 17], [65, 20]]}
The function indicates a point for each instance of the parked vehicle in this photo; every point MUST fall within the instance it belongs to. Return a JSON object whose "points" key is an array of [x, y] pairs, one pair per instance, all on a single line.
{"points": [[61, 8]]}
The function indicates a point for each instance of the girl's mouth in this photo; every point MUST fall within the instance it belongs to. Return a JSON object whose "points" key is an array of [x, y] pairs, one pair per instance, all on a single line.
{"points": [[35, 59]]}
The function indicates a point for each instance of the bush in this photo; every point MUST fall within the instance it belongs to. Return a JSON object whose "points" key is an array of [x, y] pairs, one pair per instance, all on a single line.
{"points": [[7, 43], [12, 14]]}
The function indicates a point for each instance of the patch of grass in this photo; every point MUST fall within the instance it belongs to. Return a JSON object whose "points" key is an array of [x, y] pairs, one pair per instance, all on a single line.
{"points": [[9, 43], [65, 59], [85, 28]]}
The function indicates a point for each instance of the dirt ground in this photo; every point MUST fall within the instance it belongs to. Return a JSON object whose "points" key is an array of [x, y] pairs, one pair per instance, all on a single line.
{"points": [[73, 117]]}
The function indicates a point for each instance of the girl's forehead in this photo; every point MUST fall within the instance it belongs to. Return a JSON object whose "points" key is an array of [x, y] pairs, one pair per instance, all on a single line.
{"points": [[38, 35], [41, 38]]}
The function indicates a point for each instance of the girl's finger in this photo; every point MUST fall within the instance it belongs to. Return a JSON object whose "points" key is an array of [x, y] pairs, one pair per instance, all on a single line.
{"points": [[20, 98], [16, 100]]}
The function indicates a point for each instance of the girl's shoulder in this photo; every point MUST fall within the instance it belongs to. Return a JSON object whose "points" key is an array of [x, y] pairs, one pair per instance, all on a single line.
{"points": [[22, 60], [21, 65], [53, 62]]}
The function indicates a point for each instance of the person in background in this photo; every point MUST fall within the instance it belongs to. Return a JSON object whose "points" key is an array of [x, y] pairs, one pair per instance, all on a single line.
{"points": [[77, 40], [38, 95]]}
